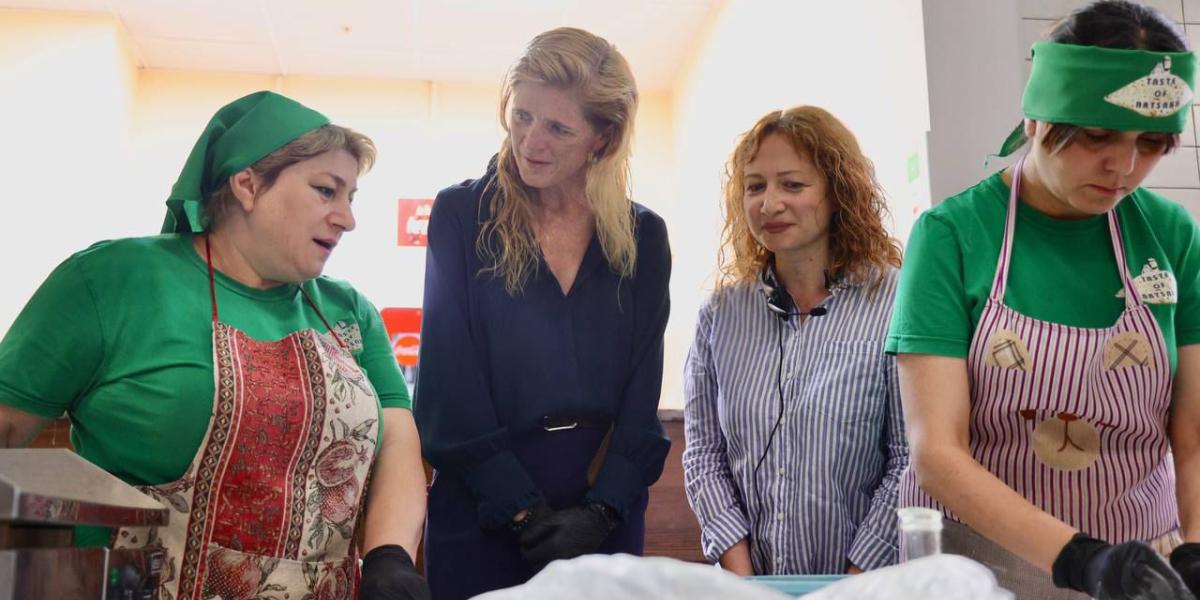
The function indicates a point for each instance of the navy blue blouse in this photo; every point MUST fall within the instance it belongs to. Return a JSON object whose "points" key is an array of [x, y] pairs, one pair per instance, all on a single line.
{"points": [[493, 365]]}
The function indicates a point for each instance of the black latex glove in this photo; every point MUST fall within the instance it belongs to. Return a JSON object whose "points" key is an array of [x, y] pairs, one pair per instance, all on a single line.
{"points": [[1128, 571], [567, 533], [1185, 559], [388, 574]]}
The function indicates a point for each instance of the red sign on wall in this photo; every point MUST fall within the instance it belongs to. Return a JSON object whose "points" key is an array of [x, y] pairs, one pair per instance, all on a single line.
{"points": [[413, 221], [404, 330]]}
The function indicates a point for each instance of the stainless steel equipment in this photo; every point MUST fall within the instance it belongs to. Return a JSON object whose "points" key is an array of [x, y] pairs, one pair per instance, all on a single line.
{"points": [[44, 493]]}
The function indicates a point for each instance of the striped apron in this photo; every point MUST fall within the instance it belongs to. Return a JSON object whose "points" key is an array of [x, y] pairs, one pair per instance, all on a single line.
{"points": [[1074, 419]]}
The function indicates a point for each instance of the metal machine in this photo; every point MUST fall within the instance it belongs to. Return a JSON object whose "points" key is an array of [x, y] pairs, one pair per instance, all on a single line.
{"points": [[44, 494]]}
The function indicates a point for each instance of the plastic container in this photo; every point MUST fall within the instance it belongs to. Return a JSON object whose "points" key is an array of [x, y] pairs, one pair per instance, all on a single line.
{"points": [[920, 532], [796, 585]]}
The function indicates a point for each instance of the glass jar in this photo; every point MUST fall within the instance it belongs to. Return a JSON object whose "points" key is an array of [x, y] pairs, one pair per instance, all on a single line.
{"points": [[920, 532]]}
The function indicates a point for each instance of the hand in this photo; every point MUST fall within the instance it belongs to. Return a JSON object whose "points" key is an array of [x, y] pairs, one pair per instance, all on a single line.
{"points": [[567, 533], [1128, 571], [1185, 559], [853, 569], [388, 574]]}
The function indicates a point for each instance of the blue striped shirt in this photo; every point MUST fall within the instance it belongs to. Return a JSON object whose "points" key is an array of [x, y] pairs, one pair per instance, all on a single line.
{"points": [[826, 490]]}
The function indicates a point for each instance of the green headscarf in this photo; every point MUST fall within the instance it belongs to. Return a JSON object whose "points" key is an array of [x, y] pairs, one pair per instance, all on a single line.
{"points": [[1109, 88], [241, 133]]}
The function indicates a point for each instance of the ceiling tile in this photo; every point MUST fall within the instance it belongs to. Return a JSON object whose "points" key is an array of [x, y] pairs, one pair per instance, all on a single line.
{"points": [[301, 59], [81, 6], [211, 20], [443, 40], [350, 23], [160, 53]]}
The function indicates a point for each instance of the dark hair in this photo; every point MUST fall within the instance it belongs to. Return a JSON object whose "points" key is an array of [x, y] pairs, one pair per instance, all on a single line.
{"points": [[1118, 24]]}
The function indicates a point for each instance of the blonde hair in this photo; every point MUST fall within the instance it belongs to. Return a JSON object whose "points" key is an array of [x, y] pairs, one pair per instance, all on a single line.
{"points": [[310, 145], [860, 247], [595, 72]]}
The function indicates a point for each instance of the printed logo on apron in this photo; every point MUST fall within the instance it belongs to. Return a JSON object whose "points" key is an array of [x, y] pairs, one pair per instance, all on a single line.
{"points": [[1155, 285]]}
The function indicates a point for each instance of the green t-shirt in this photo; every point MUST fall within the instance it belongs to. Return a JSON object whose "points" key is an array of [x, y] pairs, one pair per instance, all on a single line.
{"points": [[119, 337], [1062, 271]]}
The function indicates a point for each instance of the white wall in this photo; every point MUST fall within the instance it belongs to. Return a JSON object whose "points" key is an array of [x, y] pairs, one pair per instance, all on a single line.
{"points": [[66, 89], [975, 81], [862, 60]]}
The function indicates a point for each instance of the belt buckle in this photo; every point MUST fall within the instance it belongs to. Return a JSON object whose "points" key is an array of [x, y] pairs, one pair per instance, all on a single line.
{"points": [[549, 424]]}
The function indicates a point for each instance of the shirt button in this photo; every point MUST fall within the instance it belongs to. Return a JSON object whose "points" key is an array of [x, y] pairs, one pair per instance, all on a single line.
{"points": [[779, 517], [780, 471]]}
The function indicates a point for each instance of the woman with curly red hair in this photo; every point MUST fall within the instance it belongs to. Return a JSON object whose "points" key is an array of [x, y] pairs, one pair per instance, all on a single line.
{"points": [[795, 440]]}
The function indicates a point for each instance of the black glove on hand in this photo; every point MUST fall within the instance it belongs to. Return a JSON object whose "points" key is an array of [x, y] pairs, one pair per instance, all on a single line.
{"points": [[1128, 571], [567, 533], [388, 574], [1186, 561]]}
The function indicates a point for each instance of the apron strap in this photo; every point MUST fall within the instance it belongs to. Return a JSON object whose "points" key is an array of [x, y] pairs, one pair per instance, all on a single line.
{"points": [[212, 286], [212, 290], [1010, 225], [322, 317], [1000, 281], [1133, 299]]}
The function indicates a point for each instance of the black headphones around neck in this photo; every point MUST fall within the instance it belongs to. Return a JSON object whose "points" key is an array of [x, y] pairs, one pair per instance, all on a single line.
{"points": [[778, 300]]}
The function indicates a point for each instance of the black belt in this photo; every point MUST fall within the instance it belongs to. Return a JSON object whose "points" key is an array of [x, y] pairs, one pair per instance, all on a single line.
{"points": [[564, 423]]}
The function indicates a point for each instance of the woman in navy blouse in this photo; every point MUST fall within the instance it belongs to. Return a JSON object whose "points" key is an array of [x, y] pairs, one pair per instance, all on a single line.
{"points": [[795, 441], [542, 341]]}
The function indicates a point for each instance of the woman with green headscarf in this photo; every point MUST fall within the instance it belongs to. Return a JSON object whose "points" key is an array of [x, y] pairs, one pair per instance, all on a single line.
{"points": [[215, 368], [1047, 324]]}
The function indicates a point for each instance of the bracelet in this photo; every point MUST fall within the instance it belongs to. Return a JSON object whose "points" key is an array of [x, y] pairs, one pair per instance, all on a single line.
{"points": [[519, 526]]}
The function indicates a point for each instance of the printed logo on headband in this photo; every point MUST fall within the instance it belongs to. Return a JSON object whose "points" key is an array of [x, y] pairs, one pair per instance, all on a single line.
{"points": [[1159, 94]]}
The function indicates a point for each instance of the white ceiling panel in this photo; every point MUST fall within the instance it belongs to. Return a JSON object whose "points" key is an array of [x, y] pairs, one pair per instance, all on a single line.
{"points": [[160, 53], [79, 6], [442, 40], [349, 62], [461, 25], [352, 23], [210, 20]]}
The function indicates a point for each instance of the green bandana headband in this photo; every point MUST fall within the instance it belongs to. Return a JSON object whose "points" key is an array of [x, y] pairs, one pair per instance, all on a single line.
{"points": [[240, 134], [1122, 90]]}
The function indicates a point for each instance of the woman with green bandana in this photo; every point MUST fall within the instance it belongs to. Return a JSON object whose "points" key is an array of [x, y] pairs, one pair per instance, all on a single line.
{"points": [[1047, 324], [215, 368]]}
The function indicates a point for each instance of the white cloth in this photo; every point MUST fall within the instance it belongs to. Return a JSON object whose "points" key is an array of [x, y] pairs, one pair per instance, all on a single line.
{"points": [[603, 577], [942, 576]]}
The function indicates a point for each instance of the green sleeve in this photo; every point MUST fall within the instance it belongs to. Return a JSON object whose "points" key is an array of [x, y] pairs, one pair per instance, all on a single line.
{"points": [[931, 315], [379, 361], [1187, 273], [51, 354]]}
